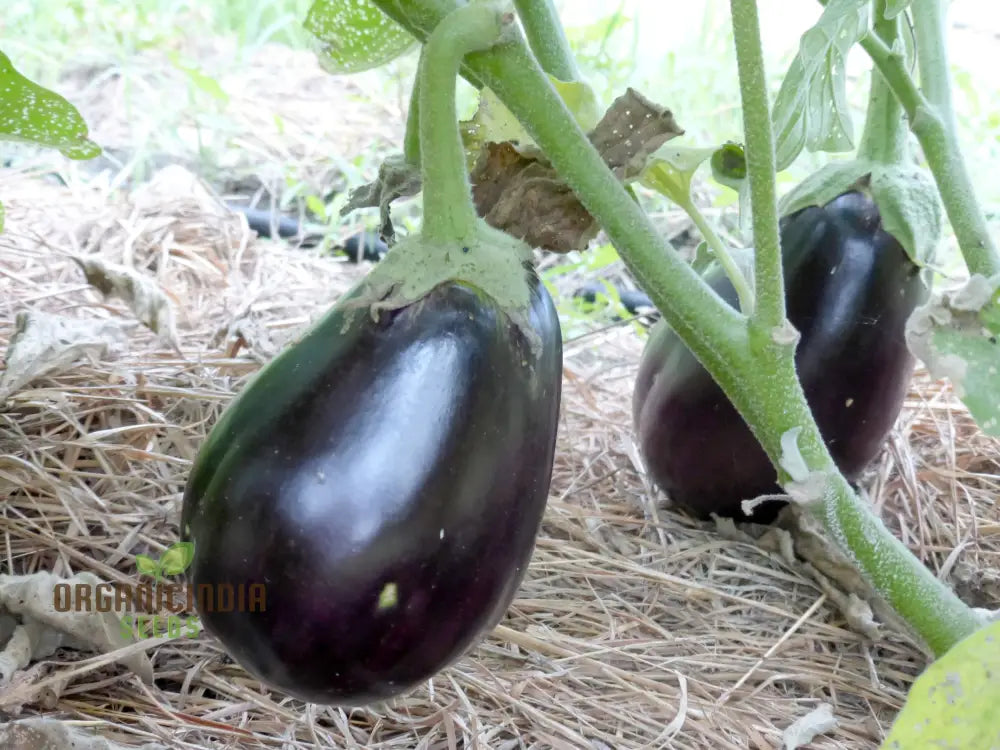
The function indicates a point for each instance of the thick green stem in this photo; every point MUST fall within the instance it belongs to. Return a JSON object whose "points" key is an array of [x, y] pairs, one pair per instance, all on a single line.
{"points": [[547, 38], [930, 27], [938, 141], [722, 254], [762, 386], [449, 213], [769, 282], [411, 138], [884, 138]]}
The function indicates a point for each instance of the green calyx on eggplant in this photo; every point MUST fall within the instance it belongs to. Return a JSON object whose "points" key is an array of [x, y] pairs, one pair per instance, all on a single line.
{"points": [[850, 287], [384, 480]]}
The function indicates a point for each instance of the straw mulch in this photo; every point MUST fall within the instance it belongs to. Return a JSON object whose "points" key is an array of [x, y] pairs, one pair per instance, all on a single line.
{"points": [[635, 628]]}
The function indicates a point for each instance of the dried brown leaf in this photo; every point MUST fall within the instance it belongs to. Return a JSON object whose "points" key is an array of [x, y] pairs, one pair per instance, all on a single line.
{"points": [[51, 734], [31, 598], [818, 721], [43, 344], [518, 191], [140, 292]]}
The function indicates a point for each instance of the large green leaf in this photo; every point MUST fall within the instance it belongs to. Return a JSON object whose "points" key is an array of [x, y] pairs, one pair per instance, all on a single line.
{"points": [[32, 114], [955, 703], [811, 108], [356, 35]]}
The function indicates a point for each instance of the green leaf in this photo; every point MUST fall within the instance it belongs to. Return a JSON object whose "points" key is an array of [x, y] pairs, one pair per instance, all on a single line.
{"points": [[581, 101], [493, 122], [957, 335], [315, 204], [955, 703], [356, 35], [200, 80], [894, 7], [147, 565], [670, 169], [177, 558], [823, 185], [811, 108], [729, 168], [32, 114]]}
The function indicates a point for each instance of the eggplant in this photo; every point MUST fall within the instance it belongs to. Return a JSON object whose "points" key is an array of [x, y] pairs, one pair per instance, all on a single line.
{"points": [[850, 287], [385, 481], [635, 301], [365, 246]]}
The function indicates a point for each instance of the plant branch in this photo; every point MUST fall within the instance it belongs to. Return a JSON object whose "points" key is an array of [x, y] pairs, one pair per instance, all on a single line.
{"points": [[722, 255], [759, 134], [449, 213], [547, 39], [884, 138], [939, 144], [411, 138]]}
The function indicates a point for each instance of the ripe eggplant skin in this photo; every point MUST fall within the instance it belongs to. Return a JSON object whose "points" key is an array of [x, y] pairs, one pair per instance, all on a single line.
{"points": [[386, 483], [850, 288]]}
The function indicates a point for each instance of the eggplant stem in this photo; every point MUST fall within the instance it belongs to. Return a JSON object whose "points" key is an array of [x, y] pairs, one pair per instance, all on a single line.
{"points": [[884, 138], [769, 313], [411, 138], [449, 212], [547, 39], [933, 125]]}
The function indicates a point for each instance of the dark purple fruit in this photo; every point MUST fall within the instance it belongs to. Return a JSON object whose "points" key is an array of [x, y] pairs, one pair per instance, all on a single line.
{"points": [[850, 288], [385, 483]]}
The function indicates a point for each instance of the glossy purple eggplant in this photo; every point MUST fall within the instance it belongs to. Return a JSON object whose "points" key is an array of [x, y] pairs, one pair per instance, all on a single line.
{"points": [[850, 288], [385, 483]]}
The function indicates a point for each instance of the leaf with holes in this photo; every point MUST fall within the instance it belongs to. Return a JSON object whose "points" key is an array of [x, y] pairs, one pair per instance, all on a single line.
{"points": [[355, 35], [811, 108], [955, 703], [32, 114]]}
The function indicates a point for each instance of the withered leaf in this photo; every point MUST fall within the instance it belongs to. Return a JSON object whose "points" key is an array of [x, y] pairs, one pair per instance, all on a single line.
{"points": [[141, 293], [50, 734], [31, 600], [44, 344], [396, 179], [518, 191], [527, 199]]}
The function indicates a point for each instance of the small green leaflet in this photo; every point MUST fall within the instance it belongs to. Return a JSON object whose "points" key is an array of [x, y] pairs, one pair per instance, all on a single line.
{"points": [[811, 108], [33, 114], [957, 336], [955, 703], [147, 565], [894, 7], [729, 168], [177, 558], [356, 35], [200, 80], [670, 169]]}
